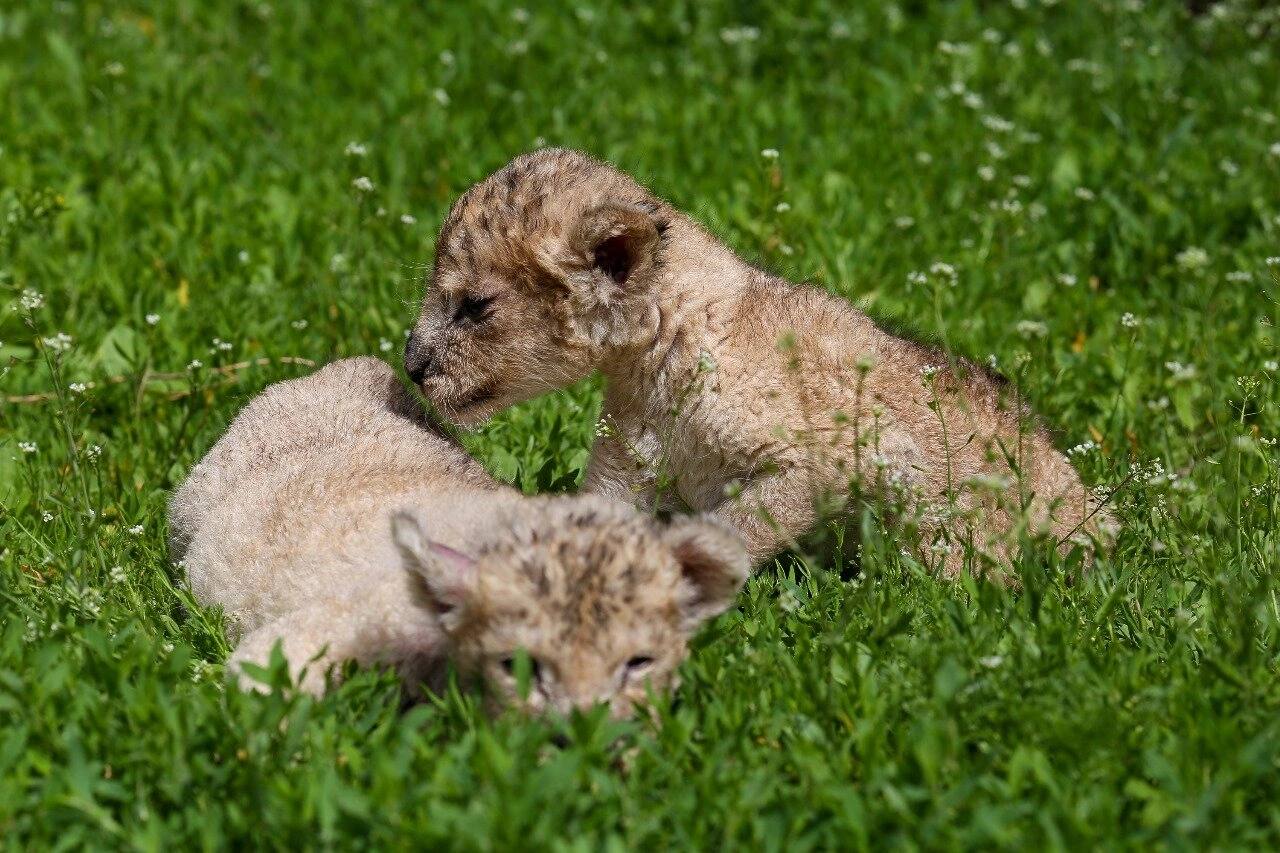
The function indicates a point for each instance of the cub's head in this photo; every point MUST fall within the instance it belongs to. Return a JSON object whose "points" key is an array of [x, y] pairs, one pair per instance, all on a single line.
{"points": [[540, 269], [576, 601]]}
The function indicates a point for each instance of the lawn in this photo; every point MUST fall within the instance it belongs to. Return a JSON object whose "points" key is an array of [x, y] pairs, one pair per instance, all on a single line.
{"points": [[200, 198]]}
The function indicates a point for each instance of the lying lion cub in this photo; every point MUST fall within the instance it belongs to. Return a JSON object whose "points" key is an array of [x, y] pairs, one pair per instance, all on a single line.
{"points": [[330, 520], [727, 389]]}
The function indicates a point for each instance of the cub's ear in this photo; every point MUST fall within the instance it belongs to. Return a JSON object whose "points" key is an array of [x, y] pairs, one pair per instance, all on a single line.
{"points": [[448, 574], [619, 242], [713, 565]]}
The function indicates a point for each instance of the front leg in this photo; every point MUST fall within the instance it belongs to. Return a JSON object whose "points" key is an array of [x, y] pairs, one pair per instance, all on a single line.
{"points": [[618, 472], [313, 640], [771, 512]]}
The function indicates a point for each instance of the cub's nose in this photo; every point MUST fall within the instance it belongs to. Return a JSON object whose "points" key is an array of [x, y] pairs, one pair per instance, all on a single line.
{"points": [[419, 360]]}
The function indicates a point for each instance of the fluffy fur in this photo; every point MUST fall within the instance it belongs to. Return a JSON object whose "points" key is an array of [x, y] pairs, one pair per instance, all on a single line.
{"points": [[749, 396], [328, 518]]}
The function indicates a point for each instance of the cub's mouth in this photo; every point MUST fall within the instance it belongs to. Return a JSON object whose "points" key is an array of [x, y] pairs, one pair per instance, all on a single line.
{"points": [[465, 406]]}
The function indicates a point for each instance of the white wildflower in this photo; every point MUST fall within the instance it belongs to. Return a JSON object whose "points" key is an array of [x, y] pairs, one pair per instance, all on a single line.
{"points": [[28, 447], [1083, 448], [362, 184], [408, 219], [924, 158], [93, 451], [1270, 365], [917, 277], [1192, 258], [385, 345], [60, 342], [46, 515], [972, 100], [243, 256], [997, 124], [152, 319], [1022, 181], [338, 263], [1084, 194], [441, 96], [1129, 321], [987, 173], [355, 149], [447, 58], [1239, 276], [219, 345], [137, 530], [770, 153], [1273, 262], [31, 299], [520, 15], [1274, 149], [739, 35], [78, 387], [195, 364], [904, 222], [299, 324], [929, 371], [941, 269], [1067, 279], [113, 69], [1181, 372], [116, 575], [991, 661], [1031, 329], [781, 207]]}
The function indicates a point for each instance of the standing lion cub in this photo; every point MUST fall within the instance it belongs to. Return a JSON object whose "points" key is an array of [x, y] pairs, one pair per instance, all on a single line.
{"points": [[726, 389], [330, 520]]}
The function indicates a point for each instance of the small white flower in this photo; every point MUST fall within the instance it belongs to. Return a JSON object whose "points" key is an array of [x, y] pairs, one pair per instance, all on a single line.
{"points": [[1192, 258], [1129, 321], [219, 345], [93, 451], [997, 124], [1239, 276], [78, 387], [993, 362], [987, 173], [520, 15], [113, 69], [167, 648], [152, 319], [243, 256], [408, 219], [1081, 449], [1181, 372], [195, 364], [46, 515], [904, 222], [929, 371], [770, 154], [299, 324], [355, 149], [28, 447], [60, 342], [991, 661], [1229, 168], [972, 100], [1275, 149], [1066, 279], [924, 158], [1031, 329], [1084, 194], [1022, 181], [31, 299], [782, 207], [739, 35], [447, 58], [1273, 262], [116, 575], [441, 96], [137, 530], [338, 263], [1270, 365], [385, 345], [941, 269], [362, 184]]}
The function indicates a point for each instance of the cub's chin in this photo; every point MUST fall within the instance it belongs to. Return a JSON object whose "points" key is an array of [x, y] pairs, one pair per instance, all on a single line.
{"points": [[468, 409]]}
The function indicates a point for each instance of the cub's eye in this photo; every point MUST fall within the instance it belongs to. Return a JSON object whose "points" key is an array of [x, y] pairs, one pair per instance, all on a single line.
{"points": [[473, 309], [509, 667], [638, 663]]}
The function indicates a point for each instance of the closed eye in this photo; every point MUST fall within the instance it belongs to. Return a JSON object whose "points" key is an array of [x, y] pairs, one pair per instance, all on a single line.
{"points": [[638, 664], [473, 309]]}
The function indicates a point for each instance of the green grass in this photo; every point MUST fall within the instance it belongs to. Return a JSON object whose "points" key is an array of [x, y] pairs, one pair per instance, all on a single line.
{"points": [[186, 159]]}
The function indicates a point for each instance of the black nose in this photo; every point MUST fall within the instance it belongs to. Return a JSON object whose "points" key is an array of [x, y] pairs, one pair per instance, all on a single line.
{"points": [[419, 359]]}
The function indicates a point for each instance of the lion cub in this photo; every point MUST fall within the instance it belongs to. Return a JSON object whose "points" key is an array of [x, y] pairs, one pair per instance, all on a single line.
{"points": [[726, 389], [329, 519]]}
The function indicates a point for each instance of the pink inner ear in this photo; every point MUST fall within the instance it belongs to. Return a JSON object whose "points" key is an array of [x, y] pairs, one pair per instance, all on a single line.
{"points": [[613, 257], [454, 558]]}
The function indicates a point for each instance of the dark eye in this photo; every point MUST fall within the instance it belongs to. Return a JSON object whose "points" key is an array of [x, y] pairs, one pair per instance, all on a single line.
{"points": [[474, 309], [509, 667], [639, 662]]}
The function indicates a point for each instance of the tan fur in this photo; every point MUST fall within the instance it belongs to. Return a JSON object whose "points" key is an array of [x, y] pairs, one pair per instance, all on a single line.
{"points": [[330, 519], [781, 394]]}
